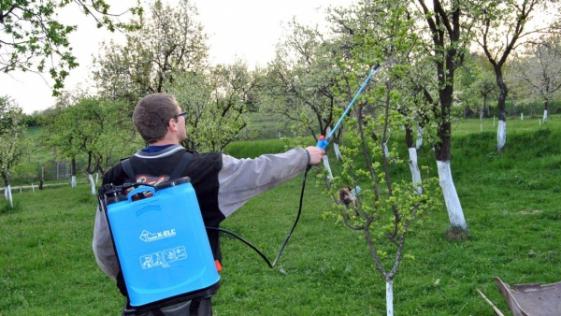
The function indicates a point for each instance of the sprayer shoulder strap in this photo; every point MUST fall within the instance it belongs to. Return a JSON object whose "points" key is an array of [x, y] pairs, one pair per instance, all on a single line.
{"points": [[176, 173], [180, 168], [127, 168]]}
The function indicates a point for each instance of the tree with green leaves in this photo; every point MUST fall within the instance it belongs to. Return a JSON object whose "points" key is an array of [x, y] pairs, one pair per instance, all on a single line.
{"points": [[502, 29], [169, 41], [373, 200], [448, 33], [301, 83], [33, 38], [541, 69], [11, 130], [216, 104]]}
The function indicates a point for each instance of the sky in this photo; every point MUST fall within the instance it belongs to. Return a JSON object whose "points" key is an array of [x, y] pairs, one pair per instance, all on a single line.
{"points": [[241, 29]]}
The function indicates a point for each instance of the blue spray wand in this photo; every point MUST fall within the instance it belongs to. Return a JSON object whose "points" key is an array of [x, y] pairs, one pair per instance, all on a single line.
{"points": [[323, 142]]}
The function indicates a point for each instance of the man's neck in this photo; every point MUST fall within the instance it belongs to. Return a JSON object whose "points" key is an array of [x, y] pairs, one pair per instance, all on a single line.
{"points": [[163, 142]]}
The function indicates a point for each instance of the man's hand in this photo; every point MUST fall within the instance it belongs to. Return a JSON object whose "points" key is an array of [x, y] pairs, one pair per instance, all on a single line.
{"points": [[315, 154]]}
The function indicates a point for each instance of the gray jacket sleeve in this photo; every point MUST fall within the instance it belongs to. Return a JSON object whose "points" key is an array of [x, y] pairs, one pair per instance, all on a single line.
{"points": [[241, 179], [103, 246]]}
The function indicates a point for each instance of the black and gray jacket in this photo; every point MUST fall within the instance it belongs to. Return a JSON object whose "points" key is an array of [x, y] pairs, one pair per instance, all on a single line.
{"points": [[222, 184]]}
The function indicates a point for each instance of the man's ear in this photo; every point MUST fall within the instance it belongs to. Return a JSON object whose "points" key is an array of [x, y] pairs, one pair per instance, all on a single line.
{"points": [[172, 124]]}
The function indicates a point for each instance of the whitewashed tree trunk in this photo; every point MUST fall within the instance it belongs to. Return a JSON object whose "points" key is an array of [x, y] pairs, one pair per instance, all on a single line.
{"points": [[451, 199], [501, 135], [419, 142], [522, 116], [92, 183], [386, 150], [327, 167], [8, 192], [389, 298], [337, 151], [96, 177], [544, 115], [73, 182], [415, 172]]}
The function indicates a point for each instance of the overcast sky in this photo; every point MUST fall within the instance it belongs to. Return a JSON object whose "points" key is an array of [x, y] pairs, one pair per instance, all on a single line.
{"points": [[243, 29]]}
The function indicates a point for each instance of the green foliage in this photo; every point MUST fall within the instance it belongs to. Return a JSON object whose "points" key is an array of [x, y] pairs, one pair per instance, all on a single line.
{"points": [[97, 128], [11, 128], [169, 41], [34, 39], [512, 201], [216, 104]]}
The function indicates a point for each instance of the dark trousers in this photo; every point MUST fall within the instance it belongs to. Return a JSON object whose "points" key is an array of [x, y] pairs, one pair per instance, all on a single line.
{"points": [[195, 307]]}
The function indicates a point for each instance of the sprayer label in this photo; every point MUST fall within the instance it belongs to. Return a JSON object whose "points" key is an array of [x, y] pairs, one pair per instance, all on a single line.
{"points": [[147, 236], [163, 258]]}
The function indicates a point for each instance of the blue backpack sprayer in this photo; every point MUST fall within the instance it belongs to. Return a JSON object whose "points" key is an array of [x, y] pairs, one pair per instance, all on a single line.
{"points": [[160, 238]]}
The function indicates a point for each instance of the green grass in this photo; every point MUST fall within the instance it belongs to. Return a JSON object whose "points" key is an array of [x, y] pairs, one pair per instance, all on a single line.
{"points": [[510, 200]]}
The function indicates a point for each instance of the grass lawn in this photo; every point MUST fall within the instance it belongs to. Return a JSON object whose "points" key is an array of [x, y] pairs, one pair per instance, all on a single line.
{"points": [[510, 201]]}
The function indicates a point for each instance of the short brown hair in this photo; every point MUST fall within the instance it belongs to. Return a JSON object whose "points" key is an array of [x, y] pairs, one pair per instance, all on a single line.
{"points": [[152, 114]]}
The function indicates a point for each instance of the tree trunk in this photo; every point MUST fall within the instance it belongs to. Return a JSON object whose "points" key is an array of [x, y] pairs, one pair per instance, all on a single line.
{"points": [[73, 173], [503, 92], [327, 167], [42, 178], [8, 190], [413, 166], [451, 199], [545, 108], [92, 183], [337, 151], [419, 142], [389, 297], [386, 150], [443, 157], [415, 172]]}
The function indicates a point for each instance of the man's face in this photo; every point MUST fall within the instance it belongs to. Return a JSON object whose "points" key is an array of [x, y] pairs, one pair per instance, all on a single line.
{"points": [[181, 129]]}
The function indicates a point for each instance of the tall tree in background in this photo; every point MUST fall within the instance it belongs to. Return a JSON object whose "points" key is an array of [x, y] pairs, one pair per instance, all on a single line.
{"points": [[32, 37], [504, 28], [216, 103], [449, 33], [541, 69], [170, 41], [11, 129], [302, 81]]}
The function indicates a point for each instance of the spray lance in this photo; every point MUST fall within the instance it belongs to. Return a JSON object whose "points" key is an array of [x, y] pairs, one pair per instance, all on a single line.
{"points": [[322, 143]]}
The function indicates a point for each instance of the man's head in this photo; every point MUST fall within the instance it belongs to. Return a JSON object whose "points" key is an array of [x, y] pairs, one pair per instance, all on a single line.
{"points": [[156, 118]]}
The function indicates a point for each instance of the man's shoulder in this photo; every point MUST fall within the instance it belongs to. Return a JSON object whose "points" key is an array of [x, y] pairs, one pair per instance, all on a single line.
{"points": [[114, 174]]}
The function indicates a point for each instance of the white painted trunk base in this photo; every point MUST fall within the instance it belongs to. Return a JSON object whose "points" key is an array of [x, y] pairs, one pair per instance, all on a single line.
{"points": [[419, 142], [386, 150], [415, 172], [501, 135], [96, 177], [337, 151], [327, 167], [451, 199], [389, 298], [544, 115], [73, 182], [522, 116], [92, 183], [8, 193]]}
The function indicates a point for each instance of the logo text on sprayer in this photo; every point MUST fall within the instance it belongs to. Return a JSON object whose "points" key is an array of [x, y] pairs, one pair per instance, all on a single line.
{"points": [[147, 236]]}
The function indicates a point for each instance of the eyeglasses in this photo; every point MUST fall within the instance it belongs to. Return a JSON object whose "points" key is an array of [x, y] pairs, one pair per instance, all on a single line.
{"points": [[184, 114]]}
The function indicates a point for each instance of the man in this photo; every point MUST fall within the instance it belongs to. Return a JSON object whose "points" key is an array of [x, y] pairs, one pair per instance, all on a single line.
{"points": [[222, 183]]}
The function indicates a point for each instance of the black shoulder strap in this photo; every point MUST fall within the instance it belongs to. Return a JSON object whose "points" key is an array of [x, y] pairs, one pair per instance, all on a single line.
{"points": [[127, 168], [176, 173], [180, 168]]}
